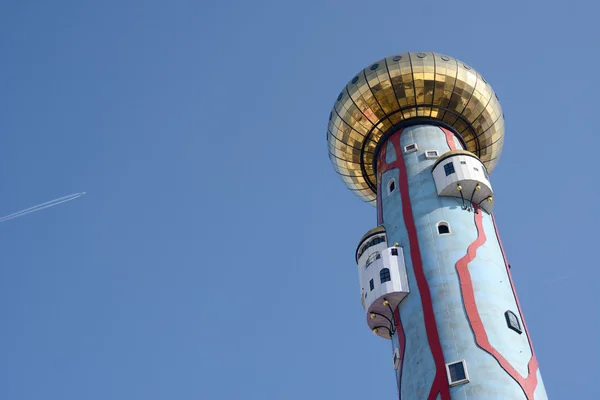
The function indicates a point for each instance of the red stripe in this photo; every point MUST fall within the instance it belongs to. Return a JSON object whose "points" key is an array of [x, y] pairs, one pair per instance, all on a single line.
{"points": [[462, 267], [449, 138], [402, 345], [439, 385], [531, 381]]}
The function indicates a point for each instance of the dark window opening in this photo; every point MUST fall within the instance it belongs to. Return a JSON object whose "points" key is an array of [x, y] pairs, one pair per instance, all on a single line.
{"points": [[457, 372], [449, 168], [384, 275], [396, 358], [410, 148], [463, 162], [513, 322], [372, 284], [391, 186], [394, 251], [443, 228], [372, 242]]}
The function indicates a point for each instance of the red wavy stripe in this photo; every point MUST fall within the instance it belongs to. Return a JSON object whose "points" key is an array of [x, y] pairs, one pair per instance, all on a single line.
{"points": [[531, 381], [440, 384], [449, 138], [462, 267], [402, 344]]}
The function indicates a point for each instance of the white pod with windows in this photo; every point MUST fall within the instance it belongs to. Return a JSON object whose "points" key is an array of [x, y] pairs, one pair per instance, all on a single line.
{"points": [[383, 280], [459, 173]]}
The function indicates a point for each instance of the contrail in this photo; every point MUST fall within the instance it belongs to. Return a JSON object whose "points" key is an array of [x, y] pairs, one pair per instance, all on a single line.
{"points": [[42, 206]]}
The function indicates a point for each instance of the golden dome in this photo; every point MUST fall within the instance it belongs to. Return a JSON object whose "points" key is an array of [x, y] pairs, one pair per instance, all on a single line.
{"points": [[407, 89]]}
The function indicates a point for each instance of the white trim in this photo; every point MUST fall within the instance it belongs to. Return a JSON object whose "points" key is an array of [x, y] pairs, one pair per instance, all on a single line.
{"points": [[410, 148], [437, 226], [389, 184], [435, 154], [460, 382]]}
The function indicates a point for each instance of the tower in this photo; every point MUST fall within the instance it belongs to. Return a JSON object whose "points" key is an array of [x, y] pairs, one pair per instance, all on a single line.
{"points": [[417, 135]]}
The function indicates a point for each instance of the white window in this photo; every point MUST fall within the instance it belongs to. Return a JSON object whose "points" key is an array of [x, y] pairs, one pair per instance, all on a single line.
{"points": [[457, 373], [411, 148], [443, 228], [432, 154], [391, 186]]}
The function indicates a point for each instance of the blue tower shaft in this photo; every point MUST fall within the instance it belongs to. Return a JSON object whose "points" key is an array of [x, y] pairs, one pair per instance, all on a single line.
{"points": [[460, 331]]}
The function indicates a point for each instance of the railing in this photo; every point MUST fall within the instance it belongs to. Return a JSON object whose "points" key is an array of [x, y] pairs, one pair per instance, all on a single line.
{"points": [[372, 258]]}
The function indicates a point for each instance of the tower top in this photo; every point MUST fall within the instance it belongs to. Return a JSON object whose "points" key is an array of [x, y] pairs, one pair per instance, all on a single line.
{"points": [[407, 89]]}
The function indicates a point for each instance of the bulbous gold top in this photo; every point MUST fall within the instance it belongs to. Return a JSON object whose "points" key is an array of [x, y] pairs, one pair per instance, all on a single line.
{"points": [[404, 89]]}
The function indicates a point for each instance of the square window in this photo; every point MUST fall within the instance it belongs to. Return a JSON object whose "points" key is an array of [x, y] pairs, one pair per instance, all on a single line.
{"points": [[513, 322], [457, 373], [431, 154], [411, 148], [463, 162], [394, 251], [449, 168], [372, 284]]}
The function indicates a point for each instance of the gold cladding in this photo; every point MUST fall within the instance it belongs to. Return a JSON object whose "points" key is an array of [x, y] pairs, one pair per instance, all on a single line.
{"points": [[407, 86]]}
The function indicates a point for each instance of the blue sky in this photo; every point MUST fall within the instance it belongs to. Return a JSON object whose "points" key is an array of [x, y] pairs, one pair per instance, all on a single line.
{"points": [[213, 255]]}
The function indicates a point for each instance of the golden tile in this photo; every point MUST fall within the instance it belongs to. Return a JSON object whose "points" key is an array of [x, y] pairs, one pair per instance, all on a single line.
{"points": [[405, 86]]}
